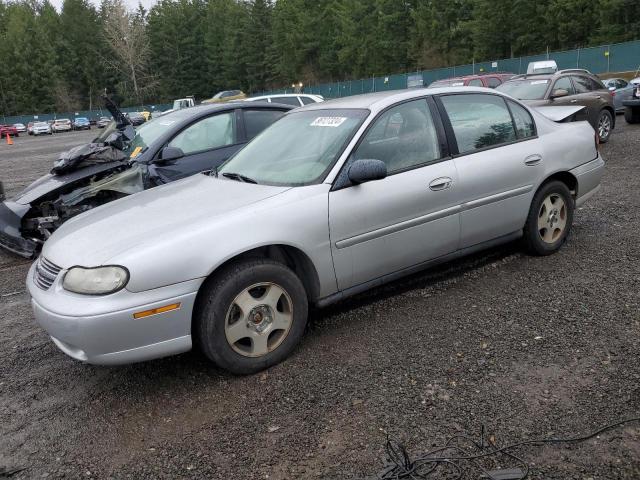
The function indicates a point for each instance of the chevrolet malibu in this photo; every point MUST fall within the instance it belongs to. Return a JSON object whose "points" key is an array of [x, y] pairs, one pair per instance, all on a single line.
{"points": [[332, 199]]}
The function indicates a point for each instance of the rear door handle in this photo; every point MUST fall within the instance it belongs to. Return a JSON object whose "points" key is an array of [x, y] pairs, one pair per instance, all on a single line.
{"points": [[532, 160], [441, 183]]}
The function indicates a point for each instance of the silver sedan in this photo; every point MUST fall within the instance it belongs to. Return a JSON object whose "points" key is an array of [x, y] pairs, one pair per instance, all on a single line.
{"points": [[331, 200]]}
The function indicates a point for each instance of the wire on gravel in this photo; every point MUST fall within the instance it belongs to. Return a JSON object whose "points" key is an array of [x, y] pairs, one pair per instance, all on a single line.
{"points": [[452, 459]]}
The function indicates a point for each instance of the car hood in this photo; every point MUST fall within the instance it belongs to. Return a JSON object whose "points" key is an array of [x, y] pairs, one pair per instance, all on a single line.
{"points": [[49, 184], [93, 238]]}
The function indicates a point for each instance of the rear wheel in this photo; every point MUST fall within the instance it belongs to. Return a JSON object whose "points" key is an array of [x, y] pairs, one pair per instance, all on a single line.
{"points": [[632, 114], [550, 219], [251, 316], [605, 125]]}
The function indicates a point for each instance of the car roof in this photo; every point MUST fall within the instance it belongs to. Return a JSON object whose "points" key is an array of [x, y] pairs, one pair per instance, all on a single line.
{"points": [[380, 100], [475, 76], [205, 109], [283, 95]]}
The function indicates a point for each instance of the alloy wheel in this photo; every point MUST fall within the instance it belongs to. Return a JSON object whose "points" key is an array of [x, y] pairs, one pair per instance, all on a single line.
{"points": [[604, 126], [552, 218], [259, 319]]}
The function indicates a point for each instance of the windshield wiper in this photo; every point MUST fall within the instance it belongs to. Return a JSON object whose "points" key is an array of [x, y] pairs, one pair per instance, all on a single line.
{"points": [[238, 177]]}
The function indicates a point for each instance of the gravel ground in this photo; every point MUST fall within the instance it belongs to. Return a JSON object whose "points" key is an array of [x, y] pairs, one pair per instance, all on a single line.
{"points": [[528, 347]]}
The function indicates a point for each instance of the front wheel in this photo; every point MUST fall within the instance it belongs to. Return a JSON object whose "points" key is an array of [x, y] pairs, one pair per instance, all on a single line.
{"points": [[605, 125], [550, 219], [251, 316]]}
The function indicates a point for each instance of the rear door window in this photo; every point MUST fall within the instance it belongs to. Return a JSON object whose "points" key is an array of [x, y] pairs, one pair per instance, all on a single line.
{"points": [[493, 82], [479, 121], [307, 100], [206, 134], [286, 101], [475, 83], [583, 84], [564, 83], [525, 127], [255, 121]]}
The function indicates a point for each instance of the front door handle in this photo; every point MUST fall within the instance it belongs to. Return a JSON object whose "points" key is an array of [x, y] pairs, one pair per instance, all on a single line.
{"points": [[441, 183], [532, 160]]}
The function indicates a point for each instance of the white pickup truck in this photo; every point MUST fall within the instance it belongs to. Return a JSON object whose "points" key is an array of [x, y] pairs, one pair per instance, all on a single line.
{"points": [[179, 104]]}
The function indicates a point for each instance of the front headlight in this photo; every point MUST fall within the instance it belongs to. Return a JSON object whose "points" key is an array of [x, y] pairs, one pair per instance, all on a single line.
{"points": [[95, 281]]}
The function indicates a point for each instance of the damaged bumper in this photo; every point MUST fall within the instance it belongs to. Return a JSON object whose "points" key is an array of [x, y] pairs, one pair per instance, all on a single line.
{"points": [[11, 214]]}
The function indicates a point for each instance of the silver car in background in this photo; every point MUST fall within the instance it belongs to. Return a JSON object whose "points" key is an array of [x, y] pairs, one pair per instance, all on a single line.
{"points": [[331, 200], [41, 128], [621, 90]]}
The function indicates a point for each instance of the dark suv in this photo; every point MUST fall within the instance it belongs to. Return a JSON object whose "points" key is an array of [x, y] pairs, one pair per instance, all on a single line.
{"points": [[568, 88], [632, 106], [489, 80]]}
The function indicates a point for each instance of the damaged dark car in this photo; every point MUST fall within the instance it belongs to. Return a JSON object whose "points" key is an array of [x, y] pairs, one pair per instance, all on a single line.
{"points": [[124, 160]]}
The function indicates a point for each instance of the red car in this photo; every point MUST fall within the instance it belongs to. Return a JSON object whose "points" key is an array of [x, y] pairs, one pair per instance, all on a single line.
{"points": [[489, 80], [10, 129]]}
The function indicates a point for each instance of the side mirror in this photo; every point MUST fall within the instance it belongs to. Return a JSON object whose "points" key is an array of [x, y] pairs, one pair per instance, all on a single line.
{"points": [[558, 93], [170, 153], [362, 171]]}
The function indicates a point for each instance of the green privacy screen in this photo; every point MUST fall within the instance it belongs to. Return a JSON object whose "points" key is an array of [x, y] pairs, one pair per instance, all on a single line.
{"points": [[620, 57]]}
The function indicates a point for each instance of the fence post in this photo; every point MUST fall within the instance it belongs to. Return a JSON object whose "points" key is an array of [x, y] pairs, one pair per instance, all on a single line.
{"points": [[578, 59]]}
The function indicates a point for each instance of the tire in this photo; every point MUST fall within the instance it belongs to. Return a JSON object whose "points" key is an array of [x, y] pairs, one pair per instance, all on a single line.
{"points": [[260, 344], [604, 126], [539, 238], [632, 114]]}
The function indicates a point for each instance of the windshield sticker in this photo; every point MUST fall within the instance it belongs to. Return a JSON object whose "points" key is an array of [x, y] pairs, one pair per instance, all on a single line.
{"points": [[328, 121], [538, 82], [135, 152]]}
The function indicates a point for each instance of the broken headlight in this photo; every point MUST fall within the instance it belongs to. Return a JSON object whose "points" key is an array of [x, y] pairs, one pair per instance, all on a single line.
{"points": [[95, 281]]}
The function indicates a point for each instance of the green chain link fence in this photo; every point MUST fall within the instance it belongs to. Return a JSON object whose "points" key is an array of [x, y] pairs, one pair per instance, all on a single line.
{"points": [[90, 114], [620, 57]]}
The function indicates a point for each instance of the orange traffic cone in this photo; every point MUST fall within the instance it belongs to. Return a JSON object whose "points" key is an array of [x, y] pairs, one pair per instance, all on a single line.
{"points": [[9, 141]]}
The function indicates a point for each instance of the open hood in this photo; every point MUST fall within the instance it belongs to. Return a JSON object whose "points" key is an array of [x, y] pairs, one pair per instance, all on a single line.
{"points": [[104, 149], [120, 118]]}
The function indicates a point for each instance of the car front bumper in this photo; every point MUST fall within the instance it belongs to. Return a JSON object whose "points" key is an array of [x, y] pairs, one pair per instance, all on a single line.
{"points": [[102, 330], [632, 103]]}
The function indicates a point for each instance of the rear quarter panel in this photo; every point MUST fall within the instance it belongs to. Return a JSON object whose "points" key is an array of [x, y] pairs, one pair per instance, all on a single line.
{"points": [[566, 145]]}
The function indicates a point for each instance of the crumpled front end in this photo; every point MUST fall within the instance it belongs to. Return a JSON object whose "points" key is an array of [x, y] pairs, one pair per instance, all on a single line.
{"points": [[11, 215]]}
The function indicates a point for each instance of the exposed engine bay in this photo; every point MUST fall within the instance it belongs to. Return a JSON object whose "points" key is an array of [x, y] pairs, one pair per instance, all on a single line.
{"points": [[86, 194], [81, 179]]}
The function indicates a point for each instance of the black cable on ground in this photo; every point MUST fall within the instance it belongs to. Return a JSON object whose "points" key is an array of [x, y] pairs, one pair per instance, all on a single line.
{"points": [[451, 458]]}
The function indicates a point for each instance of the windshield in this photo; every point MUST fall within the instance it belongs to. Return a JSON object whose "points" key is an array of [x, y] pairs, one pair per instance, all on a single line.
{"points": [[299, 149], [525, 89], [41, 124]]}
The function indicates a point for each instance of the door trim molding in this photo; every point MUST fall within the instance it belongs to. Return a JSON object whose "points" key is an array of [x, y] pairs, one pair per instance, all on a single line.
{"points": [[396, 227], [376, 282], [430, 217], [497, 197]]}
